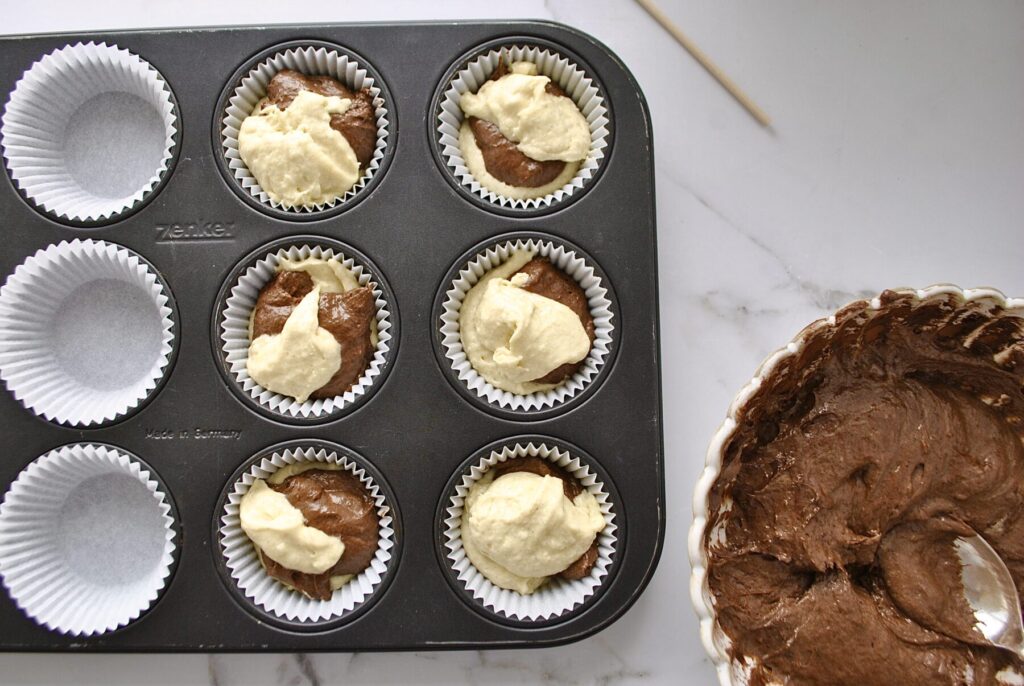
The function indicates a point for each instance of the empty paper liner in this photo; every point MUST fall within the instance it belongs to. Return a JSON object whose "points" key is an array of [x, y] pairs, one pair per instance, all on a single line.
{"points": [[87, 539], [86, 332], [89, 132]]}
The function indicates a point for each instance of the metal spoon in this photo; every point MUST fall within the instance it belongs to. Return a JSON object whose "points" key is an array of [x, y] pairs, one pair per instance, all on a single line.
{"points": [[991, 593]]}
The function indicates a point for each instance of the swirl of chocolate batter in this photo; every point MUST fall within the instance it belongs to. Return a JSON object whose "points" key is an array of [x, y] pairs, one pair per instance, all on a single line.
{"points": [[544, 278], [346, 315], [336, 502], [918, 557], [582, 567], [503, 159], [358, 124], [851, 470]]}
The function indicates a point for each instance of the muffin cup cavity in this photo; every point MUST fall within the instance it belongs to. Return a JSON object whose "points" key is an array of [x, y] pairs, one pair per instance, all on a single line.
{"points": [[972, 313], [89, 133], [66, 557], [573, 262], [311, 59], [238, 298], [63, 313], [582, 87], [557, 600], [268, 596]]}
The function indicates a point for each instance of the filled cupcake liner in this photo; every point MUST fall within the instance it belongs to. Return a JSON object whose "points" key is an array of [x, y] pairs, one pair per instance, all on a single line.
{"points": [[270, 594], [31, 303], [716, 642], [568, 261], [45, 101], [574, 81], [311, 61], [81, 578], [234, 328], [557, 597]]}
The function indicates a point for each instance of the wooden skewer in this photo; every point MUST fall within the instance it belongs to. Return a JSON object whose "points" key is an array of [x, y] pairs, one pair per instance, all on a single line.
{"points": [[705, 61]]}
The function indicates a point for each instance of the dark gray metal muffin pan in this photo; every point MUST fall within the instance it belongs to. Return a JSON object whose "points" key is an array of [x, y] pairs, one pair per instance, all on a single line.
{"points": [[416, 429]]}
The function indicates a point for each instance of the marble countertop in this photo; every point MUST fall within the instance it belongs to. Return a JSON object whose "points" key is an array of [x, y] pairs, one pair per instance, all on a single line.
{"points": [[896, 158]]}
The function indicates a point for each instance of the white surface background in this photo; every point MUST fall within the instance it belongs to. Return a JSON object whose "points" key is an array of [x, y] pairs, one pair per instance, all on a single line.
{"points": [[897, 158]]}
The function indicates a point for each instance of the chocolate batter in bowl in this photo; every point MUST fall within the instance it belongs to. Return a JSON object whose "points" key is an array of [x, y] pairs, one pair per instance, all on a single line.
{"points": [[841, 471]]}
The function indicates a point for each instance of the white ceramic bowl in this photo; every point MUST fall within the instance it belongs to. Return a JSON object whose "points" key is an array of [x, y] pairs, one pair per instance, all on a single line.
{"points": [[715, 641]]}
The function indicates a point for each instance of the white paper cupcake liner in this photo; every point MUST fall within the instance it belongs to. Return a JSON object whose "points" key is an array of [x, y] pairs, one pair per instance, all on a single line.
{"points": [[64, 318], [89, 131], [716, 642], [558, 596], [573, 80], [86, 539], [234, 333], [572, 264], [270, 594], [312, 61]]}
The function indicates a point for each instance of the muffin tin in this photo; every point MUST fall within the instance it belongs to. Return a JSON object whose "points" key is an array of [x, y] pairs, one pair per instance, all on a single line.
{"points": [[415, 430]]}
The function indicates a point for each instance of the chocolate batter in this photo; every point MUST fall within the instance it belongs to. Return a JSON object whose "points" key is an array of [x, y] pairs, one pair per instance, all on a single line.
{"points": [[918, 557], [850, 472], [337, 503], [503, 159], [548, 280], [347, 316], [358, 124], [582, 567]]}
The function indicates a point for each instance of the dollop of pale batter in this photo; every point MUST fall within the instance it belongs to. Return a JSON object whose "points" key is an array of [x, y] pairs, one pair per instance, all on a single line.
{"points": [[527, 128], [543, 126], [852, 469], [330, 275], [512, 336], [277, 528], [295, 155], [519, 529], [300, 359]]}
